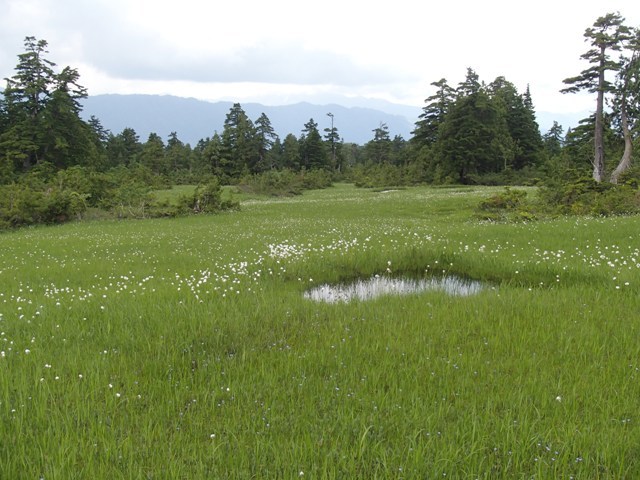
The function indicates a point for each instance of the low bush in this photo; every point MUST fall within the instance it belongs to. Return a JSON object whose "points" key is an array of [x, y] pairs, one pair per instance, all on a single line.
{"points": [[285, 182], [585, 196], [22, 205], [508, 205]]}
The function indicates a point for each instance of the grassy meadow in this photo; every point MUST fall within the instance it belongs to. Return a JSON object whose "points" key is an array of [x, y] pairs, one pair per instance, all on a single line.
{"points": [[184, 349]]}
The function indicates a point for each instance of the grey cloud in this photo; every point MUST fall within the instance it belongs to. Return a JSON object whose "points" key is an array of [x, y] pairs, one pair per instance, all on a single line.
{"points": [[114, 46], [263, 64]]}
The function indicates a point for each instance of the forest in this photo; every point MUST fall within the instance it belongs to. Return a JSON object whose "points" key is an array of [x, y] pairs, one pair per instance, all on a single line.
{"points": [[55, 167]]}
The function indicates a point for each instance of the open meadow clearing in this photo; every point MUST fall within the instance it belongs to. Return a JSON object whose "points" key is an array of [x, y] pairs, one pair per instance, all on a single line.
{"points": [[184, 348]]}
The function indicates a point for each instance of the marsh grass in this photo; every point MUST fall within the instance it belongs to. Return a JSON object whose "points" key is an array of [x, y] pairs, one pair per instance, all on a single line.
{"points": [[183, 348]]}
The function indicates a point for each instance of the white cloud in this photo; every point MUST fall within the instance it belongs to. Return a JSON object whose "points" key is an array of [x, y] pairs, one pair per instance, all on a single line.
{"points": [[283, 49]]}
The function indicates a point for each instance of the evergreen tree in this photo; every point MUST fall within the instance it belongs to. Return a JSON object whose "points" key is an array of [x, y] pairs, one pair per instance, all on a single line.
{"points": [[177, 154], [398, 150], [470, 141], [265, 138], [554, 139], [152, 155], [291, 153], [626, 103], [213, 158], [578, 143], [520, 118], [42, 114], [607, 35], [312, 149], [7, 167], [379, 149], [433, 113], [123, 149], [68, 140], [101, 133], [26, 96], [332, 138], [274, 156], [100, 137], [470, 85], [239, 146]]}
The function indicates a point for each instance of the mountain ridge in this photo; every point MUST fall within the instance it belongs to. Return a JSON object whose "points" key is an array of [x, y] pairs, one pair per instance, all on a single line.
{"points": [[194, 119]]}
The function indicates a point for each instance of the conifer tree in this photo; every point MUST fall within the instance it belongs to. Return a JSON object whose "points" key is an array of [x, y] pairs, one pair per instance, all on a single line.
{"points": [[291, 153], [265, 138], [607, 35], [313, 152], [239, 146], [626, 103], [379, 149], [433, 113], [42, 114]]}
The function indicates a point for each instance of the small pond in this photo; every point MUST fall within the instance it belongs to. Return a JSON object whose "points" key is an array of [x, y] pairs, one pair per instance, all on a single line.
{"points": [[379, 285]]}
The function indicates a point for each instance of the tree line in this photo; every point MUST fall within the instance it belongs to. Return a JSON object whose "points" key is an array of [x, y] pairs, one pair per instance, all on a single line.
{"points": [[472, 132]]}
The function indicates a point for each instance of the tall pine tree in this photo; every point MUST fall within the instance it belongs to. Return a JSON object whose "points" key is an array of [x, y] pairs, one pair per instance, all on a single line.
{"points": [[605, 36]]}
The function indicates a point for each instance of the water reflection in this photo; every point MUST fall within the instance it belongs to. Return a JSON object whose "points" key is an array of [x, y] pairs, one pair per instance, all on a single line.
{"points": [[378, 286]]}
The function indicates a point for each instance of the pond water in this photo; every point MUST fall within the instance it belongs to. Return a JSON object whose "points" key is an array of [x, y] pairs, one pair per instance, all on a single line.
{"points": [[378, 286]]}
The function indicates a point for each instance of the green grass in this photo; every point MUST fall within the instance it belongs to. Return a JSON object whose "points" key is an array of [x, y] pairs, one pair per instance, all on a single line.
{"points": [[182, 348]]}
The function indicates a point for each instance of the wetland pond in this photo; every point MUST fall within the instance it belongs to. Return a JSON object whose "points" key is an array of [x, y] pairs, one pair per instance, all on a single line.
{"points": [[380, 285]]}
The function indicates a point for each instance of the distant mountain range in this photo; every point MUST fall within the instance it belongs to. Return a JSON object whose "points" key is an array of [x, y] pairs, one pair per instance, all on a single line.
{"points": [[194, 119]]}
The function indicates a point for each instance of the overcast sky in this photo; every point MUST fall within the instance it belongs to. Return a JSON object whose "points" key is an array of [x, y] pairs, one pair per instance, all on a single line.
{"points": [[284, 51]]}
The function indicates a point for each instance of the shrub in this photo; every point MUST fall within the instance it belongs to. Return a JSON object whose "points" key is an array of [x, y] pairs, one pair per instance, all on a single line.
{"points": [[206, 198], [585, 196], [508, 205], [509, 199], [22, 205], [285, 182]]}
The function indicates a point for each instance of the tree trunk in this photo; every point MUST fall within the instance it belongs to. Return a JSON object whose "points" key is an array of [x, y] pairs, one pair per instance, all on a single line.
{"points": [[625, 161], [598, 160]]}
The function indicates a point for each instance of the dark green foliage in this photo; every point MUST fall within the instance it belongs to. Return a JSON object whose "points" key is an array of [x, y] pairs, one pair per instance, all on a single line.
{"points": [[207, 198], [378, 150], [553, 140], [510, 205], [265, 137], [316, 179], [433, 113], [240, 149], [41, 114], [34, 200], [290, 156], [123, 148], [387, 175], [586, 196], [525, 145], [580, 196], [152, 155], [313, 152], [471, 140], [285, 182], [509, 199], [275, 182], [476, 133], [332, 138]]}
